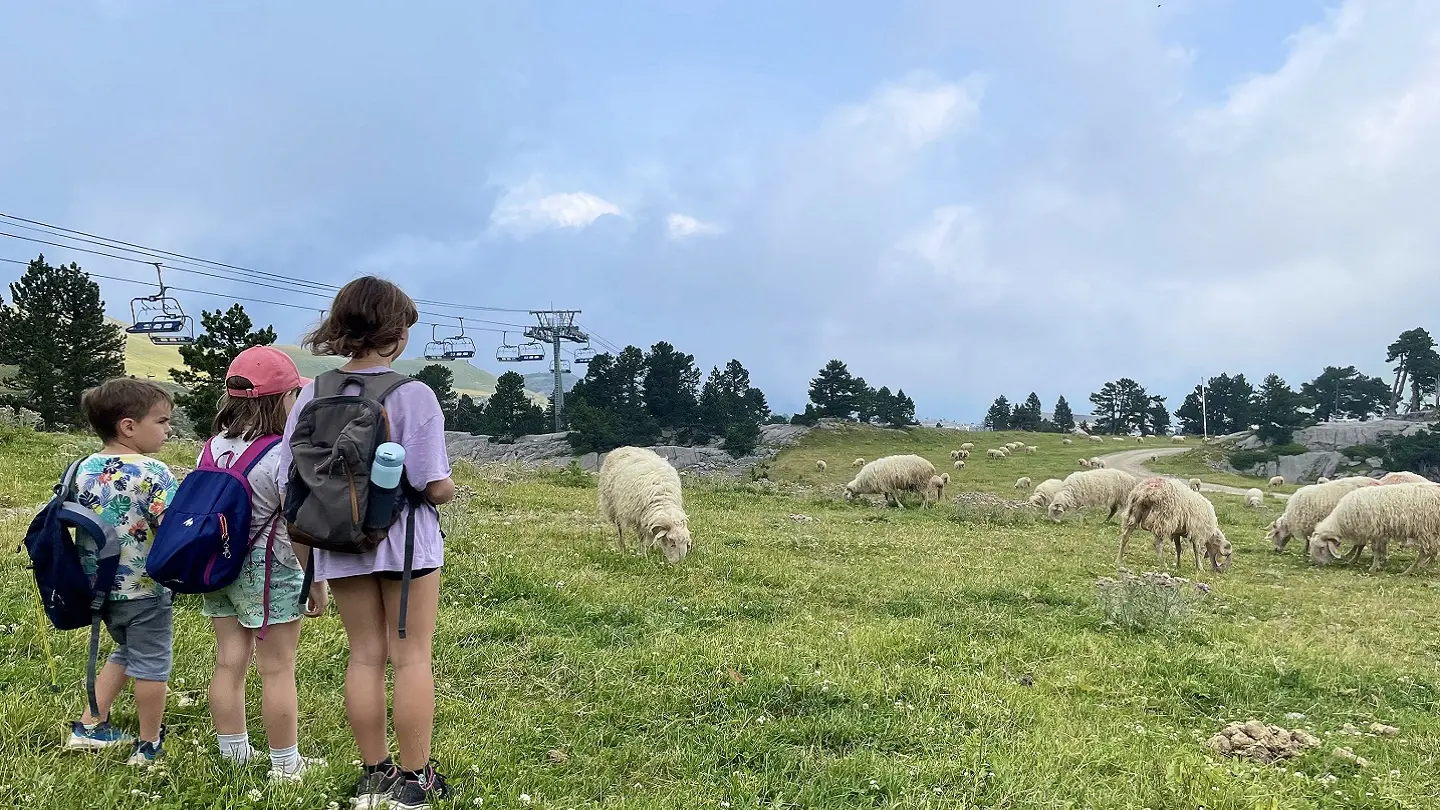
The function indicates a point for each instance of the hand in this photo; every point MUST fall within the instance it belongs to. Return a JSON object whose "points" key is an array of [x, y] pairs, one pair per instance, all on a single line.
{"points": [[319, 600]]}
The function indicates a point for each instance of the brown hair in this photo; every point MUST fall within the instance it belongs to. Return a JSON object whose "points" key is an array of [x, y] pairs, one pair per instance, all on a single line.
{"points": [[249, 418], [368, 314], [121, 398]]}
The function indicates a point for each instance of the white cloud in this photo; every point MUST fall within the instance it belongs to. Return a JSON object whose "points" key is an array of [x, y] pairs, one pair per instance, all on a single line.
{"points": [[885, 133], [681, 226], [524, 210]]}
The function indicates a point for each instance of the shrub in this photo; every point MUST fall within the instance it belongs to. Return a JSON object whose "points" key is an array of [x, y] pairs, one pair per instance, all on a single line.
{"points": [[760, 471], [1360, 452], [1150, 601], [571, 475], [1245, 459]]}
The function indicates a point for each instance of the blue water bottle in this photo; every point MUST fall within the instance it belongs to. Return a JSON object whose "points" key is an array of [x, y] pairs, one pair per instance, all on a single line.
{"points": [[384, 485]]}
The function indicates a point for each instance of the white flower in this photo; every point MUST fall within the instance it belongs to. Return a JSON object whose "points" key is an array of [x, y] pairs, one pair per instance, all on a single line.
{"points": [[478, 800], [254, 795], [186, 700], [524, 797], [333, 806]]}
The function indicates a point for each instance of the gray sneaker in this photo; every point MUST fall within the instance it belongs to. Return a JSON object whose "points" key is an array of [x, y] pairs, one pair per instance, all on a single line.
{"points": [[415, 792], [375, 786]]}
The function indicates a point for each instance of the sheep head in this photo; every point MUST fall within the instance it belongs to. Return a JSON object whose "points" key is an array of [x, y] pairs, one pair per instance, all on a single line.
{"points": [[1061, 502], [936, 489], [674, 541], [1324, 548], [1279, 533], [850, 491], [1219, 551]]}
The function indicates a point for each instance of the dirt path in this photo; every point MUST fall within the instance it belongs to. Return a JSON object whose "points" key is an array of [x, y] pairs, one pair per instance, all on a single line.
{"points": [[1133, 462]]}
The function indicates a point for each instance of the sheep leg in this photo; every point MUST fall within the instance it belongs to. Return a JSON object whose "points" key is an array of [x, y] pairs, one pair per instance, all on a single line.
{"points": [[896, 496], [1354, 555], [619, 537], [1113, 508], [1159, 551], [1379, 555], [1124, 538]]}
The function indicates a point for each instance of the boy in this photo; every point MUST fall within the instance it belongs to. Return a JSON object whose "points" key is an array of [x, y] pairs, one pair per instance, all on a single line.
{"points": [[129, 491]]}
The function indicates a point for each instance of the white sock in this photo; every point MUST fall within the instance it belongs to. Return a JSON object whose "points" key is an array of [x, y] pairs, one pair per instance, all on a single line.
{"points": [[236, 747], [285, 760]]}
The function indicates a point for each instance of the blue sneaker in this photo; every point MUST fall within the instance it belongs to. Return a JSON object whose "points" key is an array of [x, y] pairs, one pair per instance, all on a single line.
{"points": [[96, 737], [146, 753]]}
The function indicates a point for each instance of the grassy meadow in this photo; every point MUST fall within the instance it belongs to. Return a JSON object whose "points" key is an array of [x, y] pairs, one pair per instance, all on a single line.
{"points": [[1196, 463], [810, 653]]}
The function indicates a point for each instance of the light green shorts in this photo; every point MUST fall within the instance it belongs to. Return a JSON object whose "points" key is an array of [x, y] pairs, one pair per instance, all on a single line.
{"points": [[244, 599]]}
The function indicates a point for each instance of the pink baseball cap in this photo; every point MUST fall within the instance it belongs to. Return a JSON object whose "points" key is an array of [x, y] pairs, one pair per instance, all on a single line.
{"points": [[268, 370]]}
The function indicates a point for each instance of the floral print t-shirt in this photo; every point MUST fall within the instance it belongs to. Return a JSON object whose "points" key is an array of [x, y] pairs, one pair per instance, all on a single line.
{"points": [[129, 492]]}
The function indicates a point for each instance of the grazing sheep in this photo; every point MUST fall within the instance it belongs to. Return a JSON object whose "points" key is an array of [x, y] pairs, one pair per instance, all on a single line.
{"points": [[1310, 505], [1167, 509], [1177, 439], [945, 479], [959, 465], [964, 454], [993, 453], [1139, 439], [1085, 463], [1404, 478], [1195, 484], [1254, 497], [1117, 438], [639, 490], [1005, 451], [1092, 488], [1030, 449], [967, 446], [1045, 491], [1023, 482], [1322, 480], [1277, 481], [1067, 441], [858, 463], [954, 455], [1097, 463], [1099, 439], [892, 475], [1377, 515], [937, 486], [1154, 458], [821, 465]]}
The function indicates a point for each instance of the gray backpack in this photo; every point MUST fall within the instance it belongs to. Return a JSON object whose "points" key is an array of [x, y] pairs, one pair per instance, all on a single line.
{"points": [[327, 500]]}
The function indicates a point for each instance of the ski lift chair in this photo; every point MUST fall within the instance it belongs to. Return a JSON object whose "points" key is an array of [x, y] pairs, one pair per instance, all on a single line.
{"points": [[506, 353], [183, 333], [160, 314], [438, 348], [584, 354], [461, 347], [531, 351]]}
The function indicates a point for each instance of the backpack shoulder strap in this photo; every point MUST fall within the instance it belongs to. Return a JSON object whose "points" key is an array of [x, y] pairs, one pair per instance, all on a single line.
{"points": [[391, 385], [254, 453], [66, 487], [330, 383], [207, 455]]}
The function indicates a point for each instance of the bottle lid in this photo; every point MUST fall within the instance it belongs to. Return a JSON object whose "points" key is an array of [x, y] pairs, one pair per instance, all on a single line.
{"points": [[390, 453]]}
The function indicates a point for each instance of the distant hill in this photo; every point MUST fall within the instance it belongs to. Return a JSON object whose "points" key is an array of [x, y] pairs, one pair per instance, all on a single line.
{"points": [[544, 381], [146, 360]]}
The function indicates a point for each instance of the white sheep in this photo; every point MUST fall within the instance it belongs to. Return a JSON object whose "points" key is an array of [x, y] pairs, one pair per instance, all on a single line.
{"points": [[964, 454], [959, 465], [1005, 451], [1117, 438], [1092, 488], [994, 453], [1139, 439], [892, 475], [1099, 439], [954, 455], [1166, 508], [1177, 439], [967, 446], [1030, 449], [1195, 484], [1085, 463], [945, 479], [1322, 480], [1254, 497], [1277, 481], [1023, 482], [821, 465], [1013, 446], [858, 463], [1377, 515], [1067, 441], [1097, 463], [1310, 505], [1045, 491], [1403, 478], [639, 490]]}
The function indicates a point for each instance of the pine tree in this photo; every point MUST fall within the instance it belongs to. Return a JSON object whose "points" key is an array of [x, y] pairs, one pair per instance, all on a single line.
{"points": [[56, 335], [835, 393], [1189, 414], [442, 381], [1064, 420], [1277, 411], [1026, 416], [1416, 366], [670, 386], [1346, 393], [882, 406], [998, 417], [509, 413], [227, 333], [467, 416], [902, 414], [1157, 418]]}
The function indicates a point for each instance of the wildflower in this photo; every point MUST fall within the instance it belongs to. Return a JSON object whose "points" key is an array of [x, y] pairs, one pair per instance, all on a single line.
{"points": [[254, 795], [524, 798]]}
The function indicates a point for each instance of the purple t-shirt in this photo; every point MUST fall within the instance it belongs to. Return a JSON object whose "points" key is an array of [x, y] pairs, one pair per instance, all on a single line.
{"points": [[418, 425]]}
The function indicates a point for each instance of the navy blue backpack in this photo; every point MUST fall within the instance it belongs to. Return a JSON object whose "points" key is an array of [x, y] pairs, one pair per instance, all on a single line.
{"points": [[70, 598], [204, 537]]}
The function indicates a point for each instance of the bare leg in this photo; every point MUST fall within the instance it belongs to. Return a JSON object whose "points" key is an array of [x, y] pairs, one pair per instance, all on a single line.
{"points": [[279, 701], [150, 705], [411, 657], [108, 684], [234, 646], [363, 613]]}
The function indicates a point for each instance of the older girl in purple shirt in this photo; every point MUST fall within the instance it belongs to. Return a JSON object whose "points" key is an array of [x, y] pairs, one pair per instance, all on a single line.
{"points": [[369, 323]]}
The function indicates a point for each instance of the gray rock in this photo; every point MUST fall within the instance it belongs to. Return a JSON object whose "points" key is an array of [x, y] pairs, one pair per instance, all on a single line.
{"points": [[1373, 462], [1307, 467], [1339, 435]]}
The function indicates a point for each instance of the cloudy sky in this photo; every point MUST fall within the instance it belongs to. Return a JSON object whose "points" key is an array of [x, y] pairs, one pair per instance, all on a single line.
{"points": [[958, 198]]}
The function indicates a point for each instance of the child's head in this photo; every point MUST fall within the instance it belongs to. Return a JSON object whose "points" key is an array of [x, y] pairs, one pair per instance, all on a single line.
{"points": [[369, 316], [260, 388], [133, 413]]}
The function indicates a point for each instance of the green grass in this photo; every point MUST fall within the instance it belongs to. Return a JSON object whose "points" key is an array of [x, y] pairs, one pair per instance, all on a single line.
{"points": [[928, 658], [1196, 464]]}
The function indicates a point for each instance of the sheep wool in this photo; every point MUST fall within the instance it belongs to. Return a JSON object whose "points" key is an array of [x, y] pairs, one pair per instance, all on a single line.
{"points": [[1322, 480], [1023, 482], [1195, 484], [1067, 441], [1030, 449], [1117, 438], [1170, 510], [1403, 478], [1096, 461], [1046, 490], [1310, 505], [945, 479], [1277, 481], [1092, 488], [959, 465], [892, 475], [993, 453], [821, 465], [967, 446], [954, 454], [1085, 463], [964, 454], [1376, 515], [858, 463], [1254, 497], [1005, 451], [640, 491], [1099, 439], [1177, 439]]}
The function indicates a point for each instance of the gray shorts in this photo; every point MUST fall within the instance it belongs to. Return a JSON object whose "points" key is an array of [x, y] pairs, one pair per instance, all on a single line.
{"points": [[143, 630]]}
